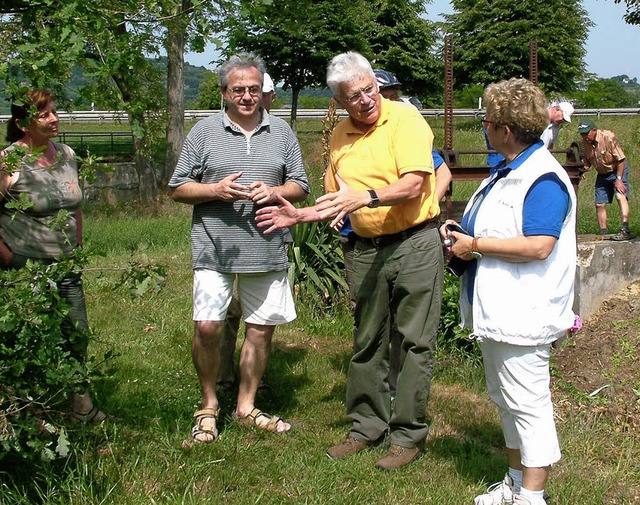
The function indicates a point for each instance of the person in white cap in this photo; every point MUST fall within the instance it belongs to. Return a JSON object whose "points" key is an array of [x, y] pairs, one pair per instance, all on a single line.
{"points": [[559, 113], [268, 92]]}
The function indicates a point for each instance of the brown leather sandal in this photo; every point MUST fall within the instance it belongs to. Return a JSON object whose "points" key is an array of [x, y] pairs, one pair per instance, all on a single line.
{"points": [[204, 426], [249, 421]]}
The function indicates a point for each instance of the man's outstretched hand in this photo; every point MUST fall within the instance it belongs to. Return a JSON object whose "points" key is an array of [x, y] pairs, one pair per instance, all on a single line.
{"points": [[276, 217]]}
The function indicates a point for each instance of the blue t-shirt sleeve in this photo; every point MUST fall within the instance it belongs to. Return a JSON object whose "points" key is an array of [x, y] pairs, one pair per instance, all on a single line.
{"points": [[437, 159], [545, 207], [346, 226]]}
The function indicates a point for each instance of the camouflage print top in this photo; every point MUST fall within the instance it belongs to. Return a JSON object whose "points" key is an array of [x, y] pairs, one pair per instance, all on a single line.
{"points": [[39, 231]]}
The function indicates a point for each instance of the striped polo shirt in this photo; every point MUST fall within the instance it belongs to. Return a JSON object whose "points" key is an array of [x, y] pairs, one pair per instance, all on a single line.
{"points": [[224, 235]]}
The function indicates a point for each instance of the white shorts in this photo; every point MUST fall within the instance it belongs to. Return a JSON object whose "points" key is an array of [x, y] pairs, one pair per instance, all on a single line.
{"points": [[518, 383], [265, 297]]}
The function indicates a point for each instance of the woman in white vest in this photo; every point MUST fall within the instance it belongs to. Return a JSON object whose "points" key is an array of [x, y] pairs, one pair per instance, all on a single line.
{"points": [[517, 289]]}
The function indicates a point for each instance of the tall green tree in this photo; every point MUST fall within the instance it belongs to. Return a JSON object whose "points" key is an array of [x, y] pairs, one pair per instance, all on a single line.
{"points": [[187, 24], [298, 38], [604, 94], [491, 41], [632, 16], [111, 41], [403, 42]]}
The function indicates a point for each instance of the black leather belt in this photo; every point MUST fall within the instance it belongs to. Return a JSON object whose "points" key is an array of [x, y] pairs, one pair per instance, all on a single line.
{"points": [[385, 240]]}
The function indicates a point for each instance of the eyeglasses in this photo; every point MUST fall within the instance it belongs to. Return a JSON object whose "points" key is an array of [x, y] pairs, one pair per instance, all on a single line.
{"points": [[485, 122], [369, 91], [239, 91]]}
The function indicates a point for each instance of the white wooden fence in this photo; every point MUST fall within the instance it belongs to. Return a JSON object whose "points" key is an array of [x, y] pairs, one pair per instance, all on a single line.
{"points": [[192, 115]]}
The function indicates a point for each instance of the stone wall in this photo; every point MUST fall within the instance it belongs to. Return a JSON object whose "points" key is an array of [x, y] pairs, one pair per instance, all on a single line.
{"points": [[604, 268], [120, 185]]}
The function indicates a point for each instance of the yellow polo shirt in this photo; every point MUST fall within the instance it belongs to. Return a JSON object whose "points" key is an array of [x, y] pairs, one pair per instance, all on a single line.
{"points": [[400, 142]]}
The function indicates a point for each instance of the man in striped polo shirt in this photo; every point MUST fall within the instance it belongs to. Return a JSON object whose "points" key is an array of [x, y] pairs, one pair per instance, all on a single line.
{"points": [[231, 164]]}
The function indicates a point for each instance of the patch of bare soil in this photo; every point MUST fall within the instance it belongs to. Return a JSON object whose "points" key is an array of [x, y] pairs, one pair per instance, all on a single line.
{"points": [[599, 368]]}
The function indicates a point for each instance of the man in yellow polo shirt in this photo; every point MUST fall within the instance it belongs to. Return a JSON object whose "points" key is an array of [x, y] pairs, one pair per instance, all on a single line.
{"points": [[381, 173]]}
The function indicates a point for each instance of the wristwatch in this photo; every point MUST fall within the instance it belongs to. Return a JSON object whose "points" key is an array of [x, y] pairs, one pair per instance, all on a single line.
{"points": [[618, 177], [375, 201]]}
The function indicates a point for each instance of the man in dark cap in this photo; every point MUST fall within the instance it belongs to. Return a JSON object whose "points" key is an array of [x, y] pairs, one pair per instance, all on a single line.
{"points": [[603, 152]]}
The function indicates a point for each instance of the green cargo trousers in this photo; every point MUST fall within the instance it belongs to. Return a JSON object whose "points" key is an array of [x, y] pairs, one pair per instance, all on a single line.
{"points": [[398, 284]]}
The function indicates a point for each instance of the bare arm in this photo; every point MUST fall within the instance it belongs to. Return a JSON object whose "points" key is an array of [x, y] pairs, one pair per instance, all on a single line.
{"points": [[516, 249], [226, 190], [337, 205], [443, 179], [5, 184], [285, 215], [5, 177]]}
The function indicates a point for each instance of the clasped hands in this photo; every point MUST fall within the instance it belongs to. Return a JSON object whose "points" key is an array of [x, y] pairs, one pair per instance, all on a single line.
{"points": [[258, 192]]}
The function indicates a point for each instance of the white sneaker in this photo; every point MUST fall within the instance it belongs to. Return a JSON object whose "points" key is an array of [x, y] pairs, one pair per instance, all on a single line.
{"points": [[498, 494], [519, 500]]}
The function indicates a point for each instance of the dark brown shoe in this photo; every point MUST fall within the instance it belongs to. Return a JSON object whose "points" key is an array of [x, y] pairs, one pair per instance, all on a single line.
{"points": [[397, 457], [347, 448]]}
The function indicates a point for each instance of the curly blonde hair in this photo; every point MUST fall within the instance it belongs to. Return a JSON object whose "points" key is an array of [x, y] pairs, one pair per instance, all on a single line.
{"points": [[519, 104]]}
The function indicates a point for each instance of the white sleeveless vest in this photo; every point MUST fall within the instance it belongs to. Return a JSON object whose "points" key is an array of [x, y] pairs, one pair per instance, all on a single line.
{"points": [[521, 303]]}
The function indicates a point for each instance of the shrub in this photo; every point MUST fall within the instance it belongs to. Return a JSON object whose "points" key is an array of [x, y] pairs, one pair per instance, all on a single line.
{"points": [[317, 264], [451, 337], [37, 369]]}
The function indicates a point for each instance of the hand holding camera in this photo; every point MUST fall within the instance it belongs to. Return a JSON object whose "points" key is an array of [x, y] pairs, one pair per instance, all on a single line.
{"points": [[457, 265], [450, 239]]}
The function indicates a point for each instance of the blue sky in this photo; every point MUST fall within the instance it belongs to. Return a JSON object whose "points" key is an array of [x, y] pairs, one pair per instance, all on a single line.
{"points": [[612, 45]]}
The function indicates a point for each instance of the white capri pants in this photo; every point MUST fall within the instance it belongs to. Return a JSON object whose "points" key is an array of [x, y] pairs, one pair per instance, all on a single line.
{"points": [[518, 383]]}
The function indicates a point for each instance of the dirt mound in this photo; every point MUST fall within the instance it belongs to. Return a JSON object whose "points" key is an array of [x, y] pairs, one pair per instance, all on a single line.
{"points": [[601, 363]]}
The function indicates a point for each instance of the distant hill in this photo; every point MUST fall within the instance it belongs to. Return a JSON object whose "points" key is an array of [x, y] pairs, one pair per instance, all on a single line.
{"points": [[627, 82], [193, 76]]}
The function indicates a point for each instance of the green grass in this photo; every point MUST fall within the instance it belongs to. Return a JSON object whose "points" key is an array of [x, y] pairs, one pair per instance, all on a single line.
{"points": [[153, 388]]}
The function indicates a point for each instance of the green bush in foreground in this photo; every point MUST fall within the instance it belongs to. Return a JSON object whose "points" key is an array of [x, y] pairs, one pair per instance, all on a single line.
{"points": [[37, 369]]}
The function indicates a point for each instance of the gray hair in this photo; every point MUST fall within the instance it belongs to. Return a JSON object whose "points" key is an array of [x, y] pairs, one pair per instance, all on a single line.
{"points": [[240, 60], [345, 67]]}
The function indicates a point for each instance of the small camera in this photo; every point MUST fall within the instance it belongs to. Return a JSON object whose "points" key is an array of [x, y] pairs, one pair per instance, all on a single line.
{"points": [[457, 266]]}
